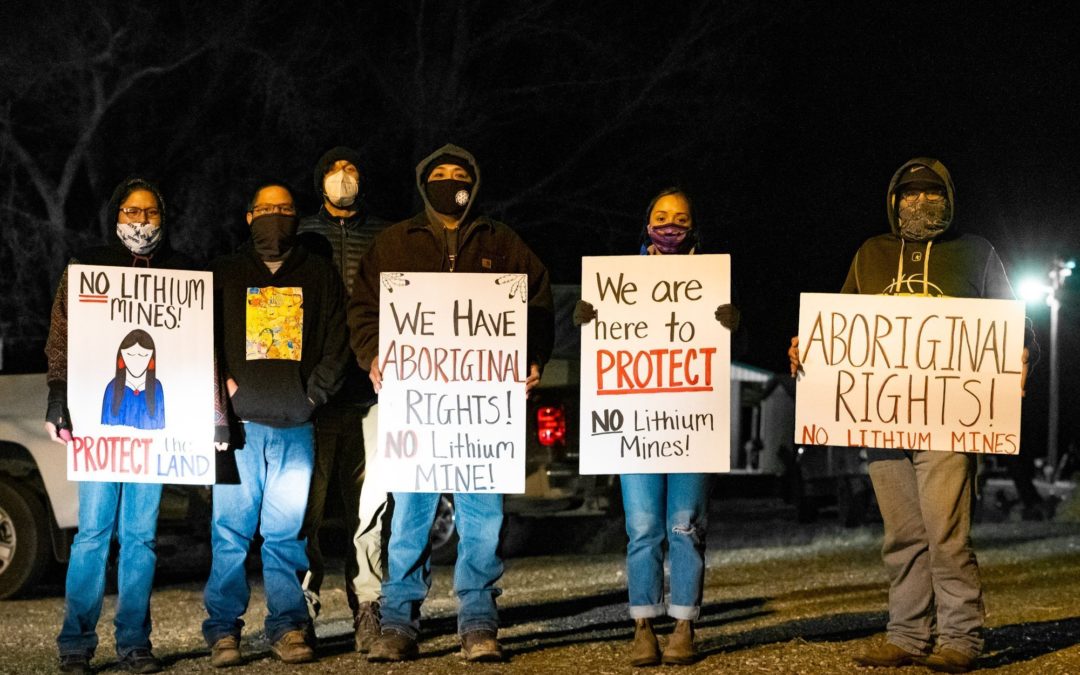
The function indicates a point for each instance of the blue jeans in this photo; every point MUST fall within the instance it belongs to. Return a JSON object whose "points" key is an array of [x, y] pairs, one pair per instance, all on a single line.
{"points": [[130, 511], [478, 521], [275, 472], [674, 507]]}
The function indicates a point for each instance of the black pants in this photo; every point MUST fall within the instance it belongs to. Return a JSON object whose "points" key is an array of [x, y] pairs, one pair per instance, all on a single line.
{"points": [[339, 459]]}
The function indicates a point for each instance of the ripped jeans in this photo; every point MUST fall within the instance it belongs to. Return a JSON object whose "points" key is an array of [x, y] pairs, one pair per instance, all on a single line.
{"points": [[673, 507]]}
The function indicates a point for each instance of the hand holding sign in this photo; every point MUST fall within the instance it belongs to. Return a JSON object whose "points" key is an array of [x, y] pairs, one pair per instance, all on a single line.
{"points": [[655, 385], [452, 378], [911, 373]]}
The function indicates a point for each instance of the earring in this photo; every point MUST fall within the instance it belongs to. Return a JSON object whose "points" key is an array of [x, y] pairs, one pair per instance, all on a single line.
{"points": [[120, 362], [151, 364]]}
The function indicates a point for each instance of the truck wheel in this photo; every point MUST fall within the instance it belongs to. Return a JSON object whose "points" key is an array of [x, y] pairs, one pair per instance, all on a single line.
{"points": [[24, 539]]}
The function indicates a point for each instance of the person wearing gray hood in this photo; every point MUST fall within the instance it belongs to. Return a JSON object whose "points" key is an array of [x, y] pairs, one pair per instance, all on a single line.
{"points": [[936, 612], [447, 236]]}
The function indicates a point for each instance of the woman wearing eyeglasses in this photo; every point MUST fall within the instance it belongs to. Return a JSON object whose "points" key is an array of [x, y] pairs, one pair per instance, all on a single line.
{"points": [[128, 509]]}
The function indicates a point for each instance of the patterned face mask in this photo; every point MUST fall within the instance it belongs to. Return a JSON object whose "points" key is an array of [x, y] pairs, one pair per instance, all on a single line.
{"points": [[668, 239], [921, 220], [139, 238]]}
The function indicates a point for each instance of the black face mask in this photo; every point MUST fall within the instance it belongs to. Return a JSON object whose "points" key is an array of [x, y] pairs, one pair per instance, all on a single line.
{"points": [[273, 235], [449, 197]]}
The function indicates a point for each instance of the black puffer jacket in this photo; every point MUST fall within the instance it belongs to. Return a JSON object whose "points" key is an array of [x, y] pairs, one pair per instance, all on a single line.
{"points": [[484, 245]]}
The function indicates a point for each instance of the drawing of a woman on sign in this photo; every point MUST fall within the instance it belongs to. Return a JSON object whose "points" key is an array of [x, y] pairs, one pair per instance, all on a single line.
{"points": [[135, 398]]}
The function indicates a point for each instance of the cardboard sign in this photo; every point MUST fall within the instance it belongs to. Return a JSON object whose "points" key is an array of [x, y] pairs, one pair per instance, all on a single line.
{"points": [[910, 373], [452, 350], [141, 375], [655, 365]]}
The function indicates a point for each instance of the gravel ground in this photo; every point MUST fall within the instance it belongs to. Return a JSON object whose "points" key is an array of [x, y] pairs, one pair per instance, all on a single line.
{"points": [[779, 598]]}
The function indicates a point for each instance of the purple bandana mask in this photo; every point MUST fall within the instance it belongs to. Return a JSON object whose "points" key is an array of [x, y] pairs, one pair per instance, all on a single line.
{"points": [[667, 239]]}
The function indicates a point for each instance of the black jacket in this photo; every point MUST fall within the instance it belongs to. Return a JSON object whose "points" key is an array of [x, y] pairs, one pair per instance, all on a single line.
{"points": [[343, 241], [273, 390], [951, 264], [414, 245]]}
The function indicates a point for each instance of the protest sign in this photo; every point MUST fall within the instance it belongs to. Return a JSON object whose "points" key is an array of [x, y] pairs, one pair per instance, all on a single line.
{"points": [[655, 365], [140, 375], [910, 373], [452, 351]]}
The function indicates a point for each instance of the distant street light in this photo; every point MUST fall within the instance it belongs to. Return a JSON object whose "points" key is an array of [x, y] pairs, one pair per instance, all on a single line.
{"points": [[1032, 291]]}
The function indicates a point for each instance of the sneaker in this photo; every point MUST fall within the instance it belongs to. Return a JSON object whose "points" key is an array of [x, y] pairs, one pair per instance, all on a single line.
{"points": [[947, 660], [480, 645], [366, 626], [226, 652], [75, 663], [887, 655], [393, 646], [292, 647], [140, 661]]}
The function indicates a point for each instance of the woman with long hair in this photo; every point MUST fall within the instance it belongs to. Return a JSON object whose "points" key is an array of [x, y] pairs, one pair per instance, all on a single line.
{"points": [[134, 397], [667, 508]]}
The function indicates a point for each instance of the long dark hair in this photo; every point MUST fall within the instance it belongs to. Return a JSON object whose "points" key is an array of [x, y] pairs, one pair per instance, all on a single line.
{"points": [[143, 339]]}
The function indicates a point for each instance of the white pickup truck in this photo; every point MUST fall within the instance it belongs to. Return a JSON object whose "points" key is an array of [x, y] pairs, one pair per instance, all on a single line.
{"points": [[38, 505]]}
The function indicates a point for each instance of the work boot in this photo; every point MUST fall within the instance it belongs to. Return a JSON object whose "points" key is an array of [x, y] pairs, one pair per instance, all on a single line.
{"points": [[140, 661], [366, 626], [393, 646], [886, 655], [645, 650], [292, 647], [480, 645], [75, 663], [226, 652], [947, 660], [680, 646]]}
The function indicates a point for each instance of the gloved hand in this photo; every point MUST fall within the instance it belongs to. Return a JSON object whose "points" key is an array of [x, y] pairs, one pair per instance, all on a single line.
{"points": [[57, 417], [584, 312], [793, 356], [728, 315]]}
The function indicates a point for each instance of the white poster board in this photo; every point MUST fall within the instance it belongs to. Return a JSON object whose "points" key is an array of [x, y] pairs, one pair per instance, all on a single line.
{"points": [[910, 373], [655, 365], [140, 375], [452, 351]]}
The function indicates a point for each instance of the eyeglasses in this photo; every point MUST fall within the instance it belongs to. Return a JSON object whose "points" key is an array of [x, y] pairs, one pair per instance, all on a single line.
{"points": [[931, 195], [133, 211], [267, 209]]}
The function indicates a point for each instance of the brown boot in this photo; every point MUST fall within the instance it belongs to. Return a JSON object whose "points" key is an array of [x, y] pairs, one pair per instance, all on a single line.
{"points": [[366, 626], [886, 655], [680, 646], [645, 650], [947, 660]]}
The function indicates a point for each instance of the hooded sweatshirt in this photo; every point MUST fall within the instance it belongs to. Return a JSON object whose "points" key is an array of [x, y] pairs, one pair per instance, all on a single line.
{"points": [[419, 244], [951, 264], [280, 335], [113, 254]]}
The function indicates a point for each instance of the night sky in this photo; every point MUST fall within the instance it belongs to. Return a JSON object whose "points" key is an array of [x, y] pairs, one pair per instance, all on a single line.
{"points": [[784, 120]]}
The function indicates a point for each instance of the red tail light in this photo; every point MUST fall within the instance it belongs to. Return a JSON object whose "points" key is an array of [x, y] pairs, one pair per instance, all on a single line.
{"points": [[551, 425]]}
